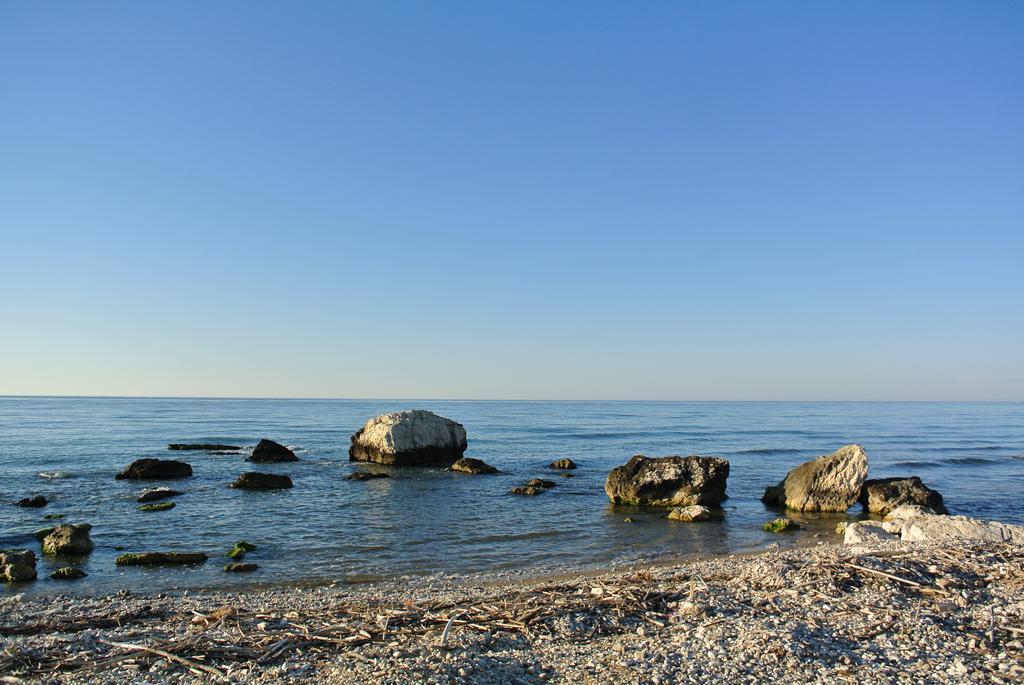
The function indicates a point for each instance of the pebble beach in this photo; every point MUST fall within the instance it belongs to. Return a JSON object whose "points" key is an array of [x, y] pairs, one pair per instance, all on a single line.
{"points": [[889, 613]]}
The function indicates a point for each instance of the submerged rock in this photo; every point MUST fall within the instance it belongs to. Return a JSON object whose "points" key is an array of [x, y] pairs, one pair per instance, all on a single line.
{"points": [[409, 438], [159, 506], [565, 463], [780, 525], [53, 517], [34, 502], [540, 483], [68, 573], [882, 495], [269, 452], [240, 568], [473, 466], [206, 447], [155, 469], [528, 490], [157, 494], [17, 565], [252, 480], [68, 540], [829, 483], [668, 481], [161, 559], [694, 512], [366, 475]]}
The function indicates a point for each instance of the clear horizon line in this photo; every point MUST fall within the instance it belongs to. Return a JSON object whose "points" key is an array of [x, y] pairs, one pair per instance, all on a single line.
{"points": [[482, 399]]}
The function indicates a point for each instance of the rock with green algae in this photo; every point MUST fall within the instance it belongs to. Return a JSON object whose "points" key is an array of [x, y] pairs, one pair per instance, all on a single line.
{"points": [[68, 573], [159, 506], [160, 559], [780, 525], [53, 517], [239, 550], [65, 539]]}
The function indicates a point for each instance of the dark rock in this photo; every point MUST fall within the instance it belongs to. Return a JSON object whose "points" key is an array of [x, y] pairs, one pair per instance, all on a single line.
{"points": [[155, 469], [882, 495], [161, 559], [832, 482], [240, 568], [251, 480], [158, 506], [34, 502], [473, 466], [365, 475], [68, 573], [17, 565], [565, 463], [540, 483], [409, 438], [68, 540], [527, 490], [206, 447], [269, 452], [43, 532], [668, 481], [157, 494]]}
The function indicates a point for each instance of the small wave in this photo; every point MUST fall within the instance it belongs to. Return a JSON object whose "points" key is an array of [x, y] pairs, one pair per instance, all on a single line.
{"points": [[915, 464], [52, 475], [516, 536], [772, 450], [971, 460]]}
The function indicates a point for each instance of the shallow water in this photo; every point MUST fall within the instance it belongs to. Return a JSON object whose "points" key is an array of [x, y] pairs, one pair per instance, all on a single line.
{"points": [[430, 521]]}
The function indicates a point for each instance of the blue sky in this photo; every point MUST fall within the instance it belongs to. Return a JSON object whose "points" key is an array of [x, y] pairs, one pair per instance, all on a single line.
{"points": [[664, 200]]}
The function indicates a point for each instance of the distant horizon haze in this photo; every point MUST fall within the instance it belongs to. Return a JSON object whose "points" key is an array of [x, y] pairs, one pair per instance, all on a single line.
{"points": [[573, 201]]}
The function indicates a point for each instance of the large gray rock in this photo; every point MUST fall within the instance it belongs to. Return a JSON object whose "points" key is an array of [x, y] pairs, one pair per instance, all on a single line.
{"points": [[917, 525], [409, 438], [17, 565], [882, 495], [668, 481], [829, 483], [68, 539]]}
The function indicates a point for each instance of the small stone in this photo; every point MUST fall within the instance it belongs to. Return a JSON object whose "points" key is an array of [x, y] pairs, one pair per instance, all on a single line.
{"points": [[780, 525]]}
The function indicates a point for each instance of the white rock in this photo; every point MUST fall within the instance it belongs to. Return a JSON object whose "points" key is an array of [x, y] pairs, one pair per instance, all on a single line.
{"points": [[932, 528], [867, 532], [829, 483], [409, 438]]}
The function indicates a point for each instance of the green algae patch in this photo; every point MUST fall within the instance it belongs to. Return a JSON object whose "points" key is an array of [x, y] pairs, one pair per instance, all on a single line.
{"points": [[53, 517], [159, 506], [238, 551], [780, 525], [161, 559]]}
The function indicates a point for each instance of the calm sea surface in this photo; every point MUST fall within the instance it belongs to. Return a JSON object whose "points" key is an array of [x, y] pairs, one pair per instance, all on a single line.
{"points": [[426, 521]]}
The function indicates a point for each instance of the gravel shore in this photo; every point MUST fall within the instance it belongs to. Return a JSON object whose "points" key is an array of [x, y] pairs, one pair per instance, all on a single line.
{"points": [[826, 614]]}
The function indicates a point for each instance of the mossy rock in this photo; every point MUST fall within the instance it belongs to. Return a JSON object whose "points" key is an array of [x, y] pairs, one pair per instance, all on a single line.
{"points": [[68, 573], [53, 517], [161, 559], [240, 568], [239, 550], [43, 532], [159, 506], [780, 525]]}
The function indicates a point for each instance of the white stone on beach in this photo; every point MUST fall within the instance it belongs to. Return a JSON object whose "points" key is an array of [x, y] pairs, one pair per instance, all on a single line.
{"points": [[409, 438], [867, 532]]}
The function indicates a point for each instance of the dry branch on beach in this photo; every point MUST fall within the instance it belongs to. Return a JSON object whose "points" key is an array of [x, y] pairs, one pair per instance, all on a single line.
{"points": [[828, 607]]}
